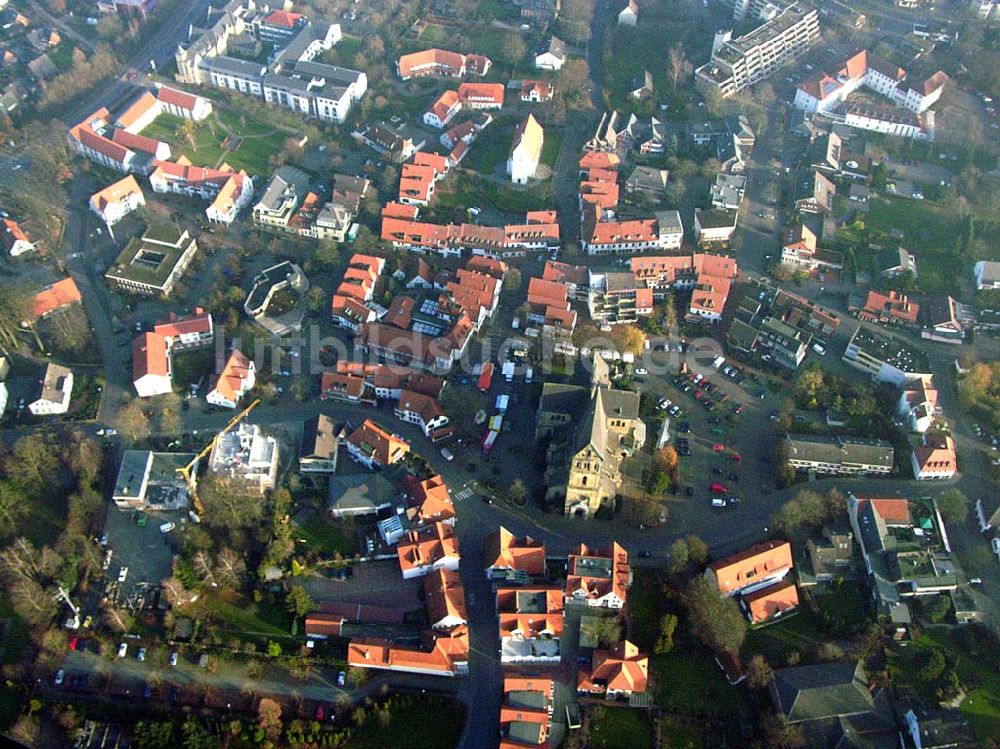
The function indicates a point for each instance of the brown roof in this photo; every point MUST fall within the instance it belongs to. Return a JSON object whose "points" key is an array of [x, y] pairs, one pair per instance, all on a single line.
{"points": [[149, 356], [234, 375], [55, 296], [764, 603], [757, 561], [622, 669], [505, 550], [386, 448]]}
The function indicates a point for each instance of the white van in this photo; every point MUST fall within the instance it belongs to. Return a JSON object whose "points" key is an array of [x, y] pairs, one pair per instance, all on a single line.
{"points": [[167, 527], [718, 502], [819, 349]]}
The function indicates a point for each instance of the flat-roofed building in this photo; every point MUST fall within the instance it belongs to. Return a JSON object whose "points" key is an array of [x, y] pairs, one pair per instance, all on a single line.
{"points": [[153, 263], [843, 456]]}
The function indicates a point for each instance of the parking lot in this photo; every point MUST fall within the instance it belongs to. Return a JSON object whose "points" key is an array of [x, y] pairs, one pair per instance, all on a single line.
{"points": [[145, 551], [722, 457], [373, 583]]}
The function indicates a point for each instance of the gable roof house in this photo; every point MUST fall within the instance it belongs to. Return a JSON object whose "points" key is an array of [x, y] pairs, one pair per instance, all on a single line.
{"points": [[51, 394], [629, 15], [531, 624], [372, 446], [834, 706], [424, 550], [510, 558], [54, 297], [15, 240], [599, 577], [444, 599], [321, 439], [551, 55], [934, 457], [236, 379], [358, 495], [118, 200], [616, 673]]}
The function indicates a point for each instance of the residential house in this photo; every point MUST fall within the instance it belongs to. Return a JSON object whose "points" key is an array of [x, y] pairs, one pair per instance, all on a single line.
{"points": [[531, 624], [834, 704], [827, 557], [321, 439], [428, 501], [424, 550], [51, 393], [799, 249], [116, 201], [359, 495], [441, 62], [182, 104], [889, 309], [758, 566], [842, 456], [152, 352], [918, 405], [481, 96], [510, 558], [945, 320], [714, 226], [615, 674], [282, 196], [629, 15], [551, 55], [641, 86], [236, 379], [905, 548], [934, 457], [447, 655], [727, 191], [987, 274], [649, 182], [534, 92], [230, 191], [15, 240], [425, 412], [526, 151], [374, 447], [598, 577], [443, 110], [55, 296], [895, 263], [444, 599]]}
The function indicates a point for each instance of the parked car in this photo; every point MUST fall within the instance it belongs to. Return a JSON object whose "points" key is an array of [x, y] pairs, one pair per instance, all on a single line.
{"points": [[123, 650], [173, 659], [718, 502], [142, 655], [60, 675], [341, 678], [718, 447]]}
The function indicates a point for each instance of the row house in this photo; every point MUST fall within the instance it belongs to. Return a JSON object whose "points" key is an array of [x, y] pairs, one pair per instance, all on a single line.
{"points": [[229, 191], [374, 447], [441, 62], [152, 352], [531, 621], [425, 550], [599, 577], [548, 305], [236, 379], [350, 307], [425, 412], [118, 200], [447, 655]]}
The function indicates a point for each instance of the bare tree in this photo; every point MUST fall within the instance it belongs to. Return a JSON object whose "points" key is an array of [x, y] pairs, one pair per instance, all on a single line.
{"points": [[230, 568], [118, 619], [177, 595], [33, 603], [677, 65]]}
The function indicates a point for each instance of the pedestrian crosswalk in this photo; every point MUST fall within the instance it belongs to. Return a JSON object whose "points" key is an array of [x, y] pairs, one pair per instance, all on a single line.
{"points": [[464, 494]]}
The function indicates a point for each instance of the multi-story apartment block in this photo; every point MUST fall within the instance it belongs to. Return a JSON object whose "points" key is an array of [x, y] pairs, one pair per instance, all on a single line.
{"points": [[739, 63], [886, 359], [843, 456], [291, 79], [618, 298]]}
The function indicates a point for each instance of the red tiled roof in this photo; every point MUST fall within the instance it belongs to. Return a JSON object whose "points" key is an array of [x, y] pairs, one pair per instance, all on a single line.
{"points": [[55, 296], [137, 110], [149, 356], [283, 18], [177, 98]]}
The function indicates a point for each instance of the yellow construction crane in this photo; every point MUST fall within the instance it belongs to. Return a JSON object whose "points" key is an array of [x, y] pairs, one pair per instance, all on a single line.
{"points": [[188, 471]]}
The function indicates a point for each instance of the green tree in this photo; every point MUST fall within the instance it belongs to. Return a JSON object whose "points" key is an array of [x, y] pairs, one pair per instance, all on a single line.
{"points": [[665, 640], [714, 619], [298, 602], [518, 493], [697, 550], [953, 506], [679, 557], [607, 630], [273, 649], [758, 672]]}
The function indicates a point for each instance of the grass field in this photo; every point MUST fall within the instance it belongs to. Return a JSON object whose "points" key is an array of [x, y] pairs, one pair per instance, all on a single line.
{"points": [[492, 147], [236, 613], [551, 147], [436, 33], [689, 681], [618, 727], [260, 140], [409, 727], [344, 52], [326, 539], [679, 736]]}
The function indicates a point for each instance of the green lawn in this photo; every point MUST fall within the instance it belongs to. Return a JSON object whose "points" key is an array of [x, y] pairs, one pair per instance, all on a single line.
{"points": [[409, 727], [236, 613], [551, 146], [326, 539], [678, 736], [344, 52], [436, 33], [980, 674], [619, 727], [492, 147], [689, 681], [260, 140]]}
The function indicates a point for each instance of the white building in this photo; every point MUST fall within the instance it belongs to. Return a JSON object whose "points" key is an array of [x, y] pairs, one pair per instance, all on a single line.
{"points": [[236, 379], [526, 151], [182, 104], [116, 201], [629, 15], [551, 55], [987, 274], [247, 455], [715, 226], [52, 392]]}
